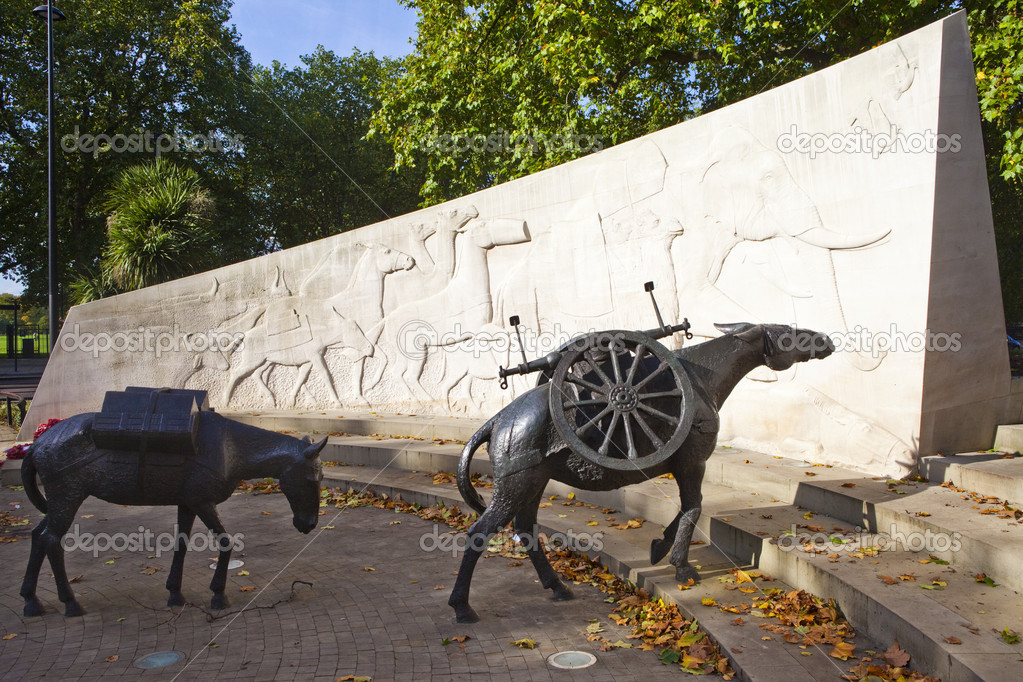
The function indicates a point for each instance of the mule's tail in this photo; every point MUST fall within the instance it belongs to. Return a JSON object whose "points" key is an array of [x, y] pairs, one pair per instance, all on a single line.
{"points": [[465, 487], [28, 479]]}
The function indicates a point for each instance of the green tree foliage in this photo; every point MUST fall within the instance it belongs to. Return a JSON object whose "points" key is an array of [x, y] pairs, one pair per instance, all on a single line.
{"points": [[612, 70], [159, 229], [310, 170], [163, 71], [28, 314]]}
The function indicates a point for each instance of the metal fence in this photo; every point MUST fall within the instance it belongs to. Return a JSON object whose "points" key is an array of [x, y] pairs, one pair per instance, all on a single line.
{"points": [[24, 341]]}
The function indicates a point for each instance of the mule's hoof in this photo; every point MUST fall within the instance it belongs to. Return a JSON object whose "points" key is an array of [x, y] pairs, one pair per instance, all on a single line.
{"points": [[219, 602], [562, 593], [33, 607], [176, 599], [73, 609], [684, 574], [658, 550], [466, 614]]}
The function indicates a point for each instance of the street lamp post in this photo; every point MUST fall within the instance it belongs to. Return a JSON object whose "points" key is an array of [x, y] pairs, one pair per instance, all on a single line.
{"points": [[49, 14]]}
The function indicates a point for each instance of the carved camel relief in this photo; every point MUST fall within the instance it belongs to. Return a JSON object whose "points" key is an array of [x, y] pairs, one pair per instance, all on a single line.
{"points": [[410, 333], [433, 272]]}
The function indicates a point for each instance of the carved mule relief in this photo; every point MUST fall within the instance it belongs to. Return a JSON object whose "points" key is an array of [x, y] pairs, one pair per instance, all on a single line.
{"points": [[579, 243], [639, 250]]}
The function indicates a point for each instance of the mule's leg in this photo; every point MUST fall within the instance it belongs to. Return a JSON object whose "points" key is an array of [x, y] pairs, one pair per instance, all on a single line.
{"points": [[525, 527], [60, 513], [690, 482], [358, 368], [186, 517], [33, 607], [496, 516], [660, 548], [208, 514]]}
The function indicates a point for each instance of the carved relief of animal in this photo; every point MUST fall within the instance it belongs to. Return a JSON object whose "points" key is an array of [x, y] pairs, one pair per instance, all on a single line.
{"points": [[296, 330]]}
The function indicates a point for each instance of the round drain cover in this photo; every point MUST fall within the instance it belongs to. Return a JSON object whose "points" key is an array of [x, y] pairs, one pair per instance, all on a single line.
{"points": [[231, 565], [161, 659], [571, 660]]}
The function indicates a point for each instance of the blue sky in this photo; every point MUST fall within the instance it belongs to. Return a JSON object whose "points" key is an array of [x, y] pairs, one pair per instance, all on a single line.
{"points": [[287, 29]]}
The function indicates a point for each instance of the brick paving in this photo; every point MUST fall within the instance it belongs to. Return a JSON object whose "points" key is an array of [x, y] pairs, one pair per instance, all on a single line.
{"points": [[388, 623]]}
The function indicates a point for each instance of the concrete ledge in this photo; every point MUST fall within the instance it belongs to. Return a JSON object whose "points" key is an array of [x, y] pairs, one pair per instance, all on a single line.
{"points": [[10, 473], [359, 423], [1009, 437], [982, 472]]}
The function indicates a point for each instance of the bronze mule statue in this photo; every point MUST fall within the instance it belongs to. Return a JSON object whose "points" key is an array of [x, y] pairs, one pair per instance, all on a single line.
{"points": [[527, 451], [72, 467]]}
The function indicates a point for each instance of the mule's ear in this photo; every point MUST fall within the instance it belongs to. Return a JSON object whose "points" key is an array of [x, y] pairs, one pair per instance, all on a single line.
{"points": [[314, 450], [733, 327]]}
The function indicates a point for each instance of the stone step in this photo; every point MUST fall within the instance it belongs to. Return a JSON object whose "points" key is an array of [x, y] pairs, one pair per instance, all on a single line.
{"points": [[753, 534], [989, 473], [919, 514], [921, 619], [1009, 438]]}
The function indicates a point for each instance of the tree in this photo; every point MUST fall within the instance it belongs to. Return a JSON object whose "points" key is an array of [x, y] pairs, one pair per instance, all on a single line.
{"points": [[159, 229], [534, 84], [134, 80], [311, 173]]}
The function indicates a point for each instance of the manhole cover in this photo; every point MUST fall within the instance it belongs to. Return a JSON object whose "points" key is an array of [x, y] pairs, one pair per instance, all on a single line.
{"points": [[161, 659], [233, 564], [571, 660]]}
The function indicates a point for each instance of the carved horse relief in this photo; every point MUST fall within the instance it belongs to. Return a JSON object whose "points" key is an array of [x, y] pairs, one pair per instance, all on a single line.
{"points": [[296, 330]]}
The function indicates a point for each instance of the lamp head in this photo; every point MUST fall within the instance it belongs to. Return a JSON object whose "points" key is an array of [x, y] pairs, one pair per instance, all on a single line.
{"points": [[40, 12]]}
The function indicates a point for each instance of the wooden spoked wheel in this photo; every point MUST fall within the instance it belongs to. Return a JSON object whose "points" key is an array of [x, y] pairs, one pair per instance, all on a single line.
{"points": [[621, 400]]}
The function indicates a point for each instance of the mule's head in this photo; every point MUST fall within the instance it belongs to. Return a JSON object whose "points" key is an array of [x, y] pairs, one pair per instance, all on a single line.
{"points": [[783, 346], [300, 483]]}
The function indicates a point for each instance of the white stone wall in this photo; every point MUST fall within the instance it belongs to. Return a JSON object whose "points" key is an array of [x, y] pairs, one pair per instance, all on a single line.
{"points": [[751, 213]]}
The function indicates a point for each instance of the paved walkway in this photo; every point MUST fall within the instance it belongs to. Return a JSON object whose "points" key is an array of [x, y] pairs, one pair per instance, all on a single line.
{"points": [[388, 623]]}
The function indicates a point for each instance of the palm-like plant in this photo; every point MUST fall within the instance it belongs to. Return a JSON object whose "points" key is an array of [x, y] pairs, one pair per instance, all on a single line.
{"points": [[159, 226], [91, 286]]}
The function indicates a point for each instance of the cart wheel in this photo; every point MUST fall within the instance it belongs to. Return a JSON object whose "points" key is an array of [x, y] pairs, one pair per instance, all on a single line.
{"points": [[621, 400]]}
